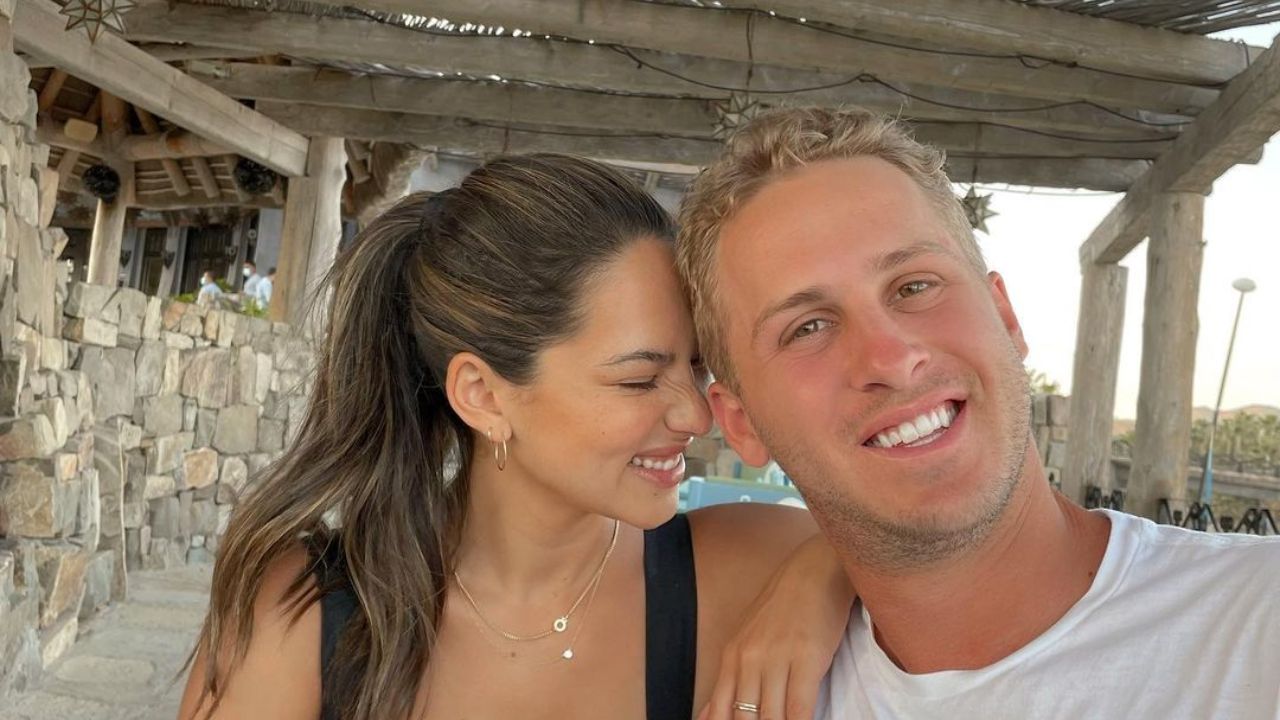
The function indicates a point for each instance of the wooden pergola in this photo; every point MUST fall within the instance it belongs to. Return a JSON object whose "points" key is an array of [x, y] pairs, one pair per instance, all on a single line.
{"points": [[342, 99]]}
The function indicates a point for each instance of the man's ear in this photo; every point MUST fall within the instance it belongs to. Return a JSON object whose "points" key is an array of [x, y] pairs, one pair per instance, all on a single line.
{"points": [[738, 430], [476, 394], [1005, 309]]}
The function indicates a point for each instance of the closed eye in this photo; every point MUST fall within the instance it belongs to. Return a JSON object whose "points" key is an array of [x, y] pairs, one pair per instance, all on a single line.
{"points": [[649, 384]]}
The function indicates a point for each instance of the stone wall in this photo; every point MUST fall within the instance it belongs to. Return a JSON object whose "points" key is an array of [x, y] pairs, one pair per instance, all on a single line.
{"points": [[128, 424], [1049, 414]]}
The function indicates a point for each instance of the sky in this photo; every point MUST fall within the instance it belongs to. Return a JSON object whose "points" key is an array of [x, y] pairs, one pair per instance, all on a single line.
{"points": [[1034, 243]]}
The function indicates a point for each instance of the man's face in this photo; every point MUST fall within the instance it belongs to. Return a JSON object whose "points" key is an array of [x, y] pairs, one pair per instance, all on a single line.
{"points": [[877, 365]]}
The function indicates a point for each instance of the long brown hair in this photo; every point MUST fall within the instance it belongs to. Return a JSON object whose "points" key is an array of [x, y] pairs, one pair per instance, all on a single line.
{"points": [[494, 267]]}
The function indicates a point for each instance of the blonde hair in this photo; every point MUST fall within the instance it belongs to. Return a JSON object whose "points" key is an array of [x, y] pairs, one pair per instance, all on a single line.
{"points": [[768, 147]]}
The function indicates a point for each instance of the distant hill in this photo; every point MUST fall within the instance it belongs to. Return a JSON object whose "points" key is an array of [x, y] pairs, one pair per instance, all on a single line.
{"points": [[1120, 426], [1204, 413]]}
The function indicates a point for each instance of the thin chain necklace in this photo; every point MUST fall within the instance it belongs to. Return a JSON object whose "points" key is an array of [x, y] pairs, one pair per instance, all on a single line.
{"points": [[565, 655], [561, 623]]}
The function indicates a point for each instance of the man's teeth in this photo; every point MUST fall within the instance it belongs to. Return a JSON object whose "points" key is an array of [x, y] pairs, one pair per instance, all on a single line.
{"points": [[657, 464], [922, 426]]}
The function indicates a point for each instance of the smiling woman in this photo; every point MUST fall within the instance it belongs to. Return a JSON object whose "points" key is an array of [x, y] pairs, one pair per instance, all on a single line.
{"points": [[528, 330]]}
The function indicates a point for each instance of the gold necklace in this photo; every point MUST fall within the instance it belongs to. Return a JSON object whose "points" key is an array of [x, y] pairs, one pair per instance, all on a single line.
{"points": [[561, 623]]}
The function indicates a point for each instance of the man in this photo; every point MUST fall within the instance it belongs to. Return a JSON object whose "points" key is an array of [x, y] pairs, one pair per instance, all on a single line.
{"points": [[251, 279], [858, 339], [265, 287], [210, 293]]}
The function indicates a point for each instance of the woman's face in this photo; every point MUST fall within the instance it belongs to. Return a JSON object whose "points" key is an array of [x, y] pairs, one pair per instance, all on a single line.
{"points": [[611, 410]]}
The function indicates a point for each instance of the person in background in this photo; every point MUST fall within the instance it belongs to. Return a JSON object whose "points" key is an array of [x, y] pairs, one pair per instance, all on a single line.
{"points": [[209, 290], [251, 279], [265, 286]]}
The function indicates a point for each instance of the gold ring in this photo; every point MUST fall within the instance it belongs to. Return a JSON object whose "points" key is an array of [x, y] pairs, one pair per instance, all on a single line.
{"points": [[746, 707]]}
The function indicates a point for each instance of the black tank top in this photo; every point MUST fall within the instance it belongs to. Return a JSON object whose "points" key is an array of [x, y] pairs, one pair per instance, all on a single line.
{"points": [[671, 620]]}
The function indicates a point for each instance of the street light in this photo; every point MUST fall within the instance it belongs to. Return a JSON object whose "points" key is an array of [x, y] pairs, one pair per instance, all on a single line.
{"points": [[1245, 286]]}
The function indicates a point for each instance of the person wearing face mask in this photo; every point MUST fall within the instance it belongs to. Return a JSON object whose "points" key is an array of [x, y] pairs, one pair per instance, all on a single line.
{"points": [[209, 290]]}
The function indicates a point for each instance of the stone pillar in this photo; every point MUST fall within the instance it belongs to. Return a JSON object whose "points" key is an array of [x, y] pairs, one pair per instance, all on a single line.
{"points": [[312, 230], [1093, 378], [1170, 325]]}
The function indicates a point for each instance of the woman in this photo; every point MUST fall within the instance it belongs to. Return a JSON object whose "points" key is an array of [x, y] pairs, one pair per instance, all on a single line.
{"points": [[499, 414]]}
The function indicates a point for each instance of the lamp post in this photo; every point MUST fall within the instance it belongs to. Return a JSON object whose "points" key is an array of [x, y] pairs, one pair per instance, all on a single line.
{"points": [[1245, 286]]}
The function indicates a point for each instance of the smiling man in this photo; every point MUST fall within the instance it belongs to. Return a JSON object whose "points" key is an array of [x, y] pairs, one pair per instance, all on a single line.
{"points": [[859, 340]]}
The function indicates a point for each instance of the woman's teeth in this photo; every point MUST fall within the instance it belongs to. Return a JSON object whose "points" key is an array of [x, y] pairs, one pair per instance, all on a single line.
{"points": [[657, 463], [921, 427]]}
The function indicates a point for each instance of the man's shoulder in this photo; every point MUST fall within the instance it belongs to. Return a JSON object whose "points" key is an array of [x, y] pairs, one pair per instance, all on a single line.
{"points": [[1167, 548]]}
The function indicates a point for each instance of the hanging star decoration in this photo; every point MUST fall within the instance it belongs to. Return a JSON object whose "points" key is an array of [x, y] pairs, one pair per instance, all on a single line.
{"points": [[977, 208], [738, 111], [95, 15]]}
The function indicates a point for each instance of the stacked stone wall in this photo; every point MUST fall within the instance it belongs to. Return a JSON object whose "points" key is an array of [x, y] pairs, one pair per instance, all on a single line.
{"points": [[1049, 420], [129, 425]]}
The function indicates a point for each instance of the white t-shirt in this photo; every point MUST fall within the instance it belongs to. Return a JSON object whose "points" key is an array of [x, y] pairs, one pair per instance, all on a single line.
{"points": [[250, 289], [1177, 625]]}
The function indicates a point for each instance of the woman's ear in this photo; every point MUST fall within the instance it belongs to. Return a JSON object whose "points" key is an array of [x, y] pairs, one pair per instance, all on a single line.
{"points": [[476, 394]]}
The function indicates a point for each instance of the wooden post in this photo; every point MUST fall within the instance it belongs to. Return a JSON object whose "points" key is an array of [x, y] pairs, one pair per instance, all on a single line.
{"points": [[108, 233], [1093, 378], [108, 223], [311, 232], [1170, 325]]}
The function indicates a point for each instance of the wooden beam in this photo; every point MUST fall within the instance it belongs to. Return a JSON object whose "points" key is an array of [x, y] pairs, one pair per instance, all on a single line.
{"points": [[174, 53], [171, 167], [52, 133], [991, 26], [1087, 173], [171, 144], [468, 137], [1169, 328], [115, 120], [684, 38], [130, 73], [697, 148], [170, 202], [230, 161], [67, 167], [504, 102], [52, 86], [490, 101], [1229, 132], [204, 173], [1002, 27]]}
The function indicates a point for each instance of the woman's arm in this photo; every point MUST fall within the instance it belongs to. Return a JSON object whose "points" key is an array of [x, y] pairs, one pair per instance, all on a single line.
{"points": [[279, 676], [773, 604]]}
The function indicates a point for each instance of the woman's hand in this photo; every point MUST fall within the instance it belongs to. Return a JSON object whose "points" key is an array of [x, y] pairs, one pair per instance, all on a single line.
{"points": [[787, 640]]}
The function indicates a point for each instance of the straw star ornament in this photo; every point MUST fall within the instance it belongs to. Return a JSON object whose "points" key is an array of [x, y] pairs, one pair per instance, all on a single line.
{"points": [[95, 15], [978, 209]]}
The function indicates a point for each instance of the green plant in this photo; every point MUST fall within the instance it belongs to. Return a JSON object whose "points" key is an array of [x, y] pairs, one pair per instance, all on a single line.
{"points": [[1041, 384]]}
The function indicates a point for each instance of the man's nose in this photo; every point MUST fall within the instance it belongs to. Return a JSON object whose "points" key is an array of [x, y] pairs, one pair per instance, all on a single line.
{"points": [[882, 354]]}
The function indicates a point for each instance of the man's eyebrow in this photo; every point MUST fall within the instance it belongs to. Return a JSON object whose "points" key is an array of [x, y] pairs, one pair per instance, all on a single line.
{"points": [[890, 260], [808, 296], [653, 356]]}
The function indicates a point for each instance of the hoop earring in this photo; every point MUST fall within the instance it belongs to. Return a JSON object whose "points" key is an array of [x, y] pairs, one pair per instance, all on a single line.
{"points": [[500, 461]]}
